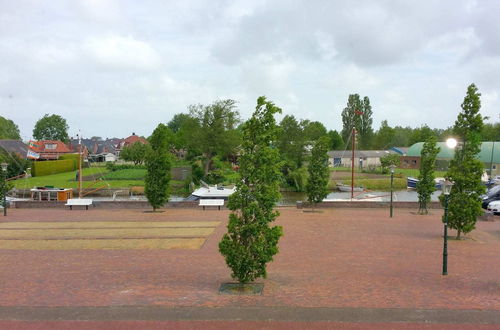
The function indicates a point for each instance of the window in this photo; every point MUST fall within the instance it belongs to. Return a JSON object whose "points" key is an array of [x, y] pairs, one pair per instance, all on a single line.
{"points": [[51, 146]]}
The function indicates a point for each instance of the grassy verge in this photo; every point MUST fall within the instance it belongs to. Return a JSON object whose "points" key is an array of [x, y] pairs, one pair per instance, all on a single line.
{"points": [[67, 180], [127, 174]]}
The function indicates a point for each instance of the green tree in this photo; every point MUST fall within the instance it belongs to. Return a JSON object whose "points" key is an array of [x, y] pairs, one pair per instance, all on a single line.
{"points": [[134, 153], [336, 142], [388, 160], [217, 132], [358, 114], [319, 175], [158, 167], [465, 170], [313, 130], [384, 139], [291, 141], [426, 185], [250, 243], [491, 132], [53, 127], [8, 130], [5, 186], [421, 134], [401, 136]]}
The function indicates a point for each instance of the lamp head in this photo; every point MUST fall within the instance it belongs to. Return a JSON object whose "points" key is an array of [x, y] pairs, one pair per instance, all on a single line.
{"points": [[446, 186], [392, 167], [4, 166]]}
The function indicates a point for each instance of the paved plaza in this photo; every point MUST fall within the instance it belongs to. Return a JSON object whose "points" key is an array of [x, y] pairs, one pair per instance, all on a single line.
{"points": [[340, 268]]}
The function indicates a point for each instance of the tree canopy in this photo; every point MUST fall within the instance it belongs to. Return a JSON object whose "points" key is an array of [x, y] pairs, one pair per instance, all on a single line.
{"points": [[319, 175], [158, 167], [51, 127], [215, 131], [135, 153], [426, 185], [8, 130], [465, 169], [250, 243], [358, 114]]}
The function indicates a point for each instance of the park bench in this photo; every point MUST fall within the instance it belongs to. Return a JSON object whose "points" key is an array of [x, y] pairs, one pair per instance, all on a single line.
{"points": [[79, 202], [211, 202]]}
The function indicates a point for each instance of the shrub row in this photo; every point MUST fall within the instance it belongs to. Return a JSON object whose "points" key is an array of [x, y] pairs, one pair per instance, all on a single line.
{"points": [[41, 168]]}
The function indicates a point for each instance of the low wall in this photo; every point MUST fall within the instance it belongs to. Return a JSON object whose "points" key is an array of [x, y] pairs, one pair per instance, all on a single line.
{"points": [[367, 204], [104, 204]]}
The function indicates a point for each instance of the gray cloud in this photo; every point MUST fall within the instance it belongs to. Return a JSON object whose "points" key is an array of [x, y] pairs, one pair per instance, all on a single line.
{"points": [[113, 67]]}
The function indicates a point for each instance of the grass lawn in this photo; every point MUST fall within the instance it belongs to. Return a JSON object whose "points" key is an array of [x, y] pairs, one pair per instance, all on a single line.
{"points": [[127, 174], [67, 180]]}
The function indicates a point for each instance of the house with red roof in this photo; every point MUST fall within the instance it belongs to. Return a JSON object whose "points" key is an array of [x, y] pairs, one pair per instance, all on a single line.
{"points": [[49, 149], [133, 139]]}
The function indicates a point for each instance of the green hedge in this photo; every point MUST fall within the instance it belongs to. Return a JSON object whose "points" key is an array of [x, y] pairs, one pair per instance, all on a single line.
{"points": [[52, 167], [73, 157]]}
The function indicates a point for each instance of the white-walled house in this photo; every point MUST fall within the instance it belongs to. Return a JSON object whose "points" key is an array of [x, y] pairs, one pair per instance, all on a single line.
{"points": [[362, 158]]}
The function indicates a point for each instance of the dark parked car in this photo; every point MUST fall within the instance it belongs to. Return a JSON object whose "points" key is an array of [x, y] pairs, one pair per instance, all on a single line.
{"points": [[492, 195]]}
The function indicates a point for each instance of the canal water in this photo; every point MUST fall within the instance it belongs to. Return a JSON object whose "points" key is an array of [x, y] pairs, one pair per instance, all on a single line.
{"points": [[291, 198]]}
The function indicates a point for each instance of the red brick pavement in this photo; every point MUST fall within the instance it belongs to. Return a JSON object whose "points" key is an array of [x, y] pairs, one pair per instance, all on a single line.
{"points": [[216, 325], [338, 258]]}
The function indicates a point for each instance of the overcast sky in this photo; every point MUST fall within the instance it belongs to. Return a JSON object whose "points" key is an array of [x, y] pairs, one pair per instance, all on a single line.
{"points": [[116, 67]]}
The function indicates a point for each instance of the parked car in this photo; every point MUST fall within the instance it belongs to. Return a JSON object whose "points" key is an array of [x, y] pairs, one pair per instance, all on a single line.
{"points": [[494, 207], [492, 195]]}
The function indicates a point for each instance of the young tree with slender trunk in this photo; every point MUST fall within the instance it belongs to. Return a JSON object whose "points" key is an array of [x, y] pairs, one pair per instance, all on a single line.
{"points": [[426, 185], [465, 170], [250, 243], [319, 175], [158, 167]]}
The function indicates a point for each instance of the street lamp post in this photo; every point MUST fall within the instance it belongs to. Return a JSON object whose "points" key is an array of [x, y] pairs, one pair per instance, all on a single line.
{"points": [[446, 186], [4, 174], [392, 167]]}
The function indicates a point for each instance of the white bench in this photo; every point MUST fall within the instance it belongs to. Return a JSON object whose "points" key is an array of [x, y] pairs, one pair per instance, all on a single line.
{"points": [[211, 202], [79, 202]]}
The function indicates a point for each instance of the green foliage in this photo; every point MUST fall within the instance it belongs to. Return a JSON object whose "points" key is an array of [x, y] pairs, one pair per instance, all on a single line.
{"points": [[388, 160], [250, 242], [491, 132], [135, 153], [426, 185], [214, 132], [52, 127], [384, 138], [421, 134], [5, 186], [465, 169], [158, 167], [117, 167], [313, 130], [8, 130], [336, 142], [74, 157], [358, 113], [41, 168], [319, 175], [297, 178], [291, 141], [15, 165]]}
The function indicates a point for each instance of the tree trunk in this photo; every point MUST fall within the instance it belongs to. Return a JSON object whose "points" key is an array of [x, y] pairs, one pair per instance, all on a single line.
{"points": [[458, 234], [207, 164]]}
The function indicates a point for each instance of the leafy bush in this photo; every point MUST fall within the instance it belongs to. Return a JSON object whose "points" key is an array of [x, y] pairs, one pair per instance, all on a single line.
{"points": [[41, 168]]}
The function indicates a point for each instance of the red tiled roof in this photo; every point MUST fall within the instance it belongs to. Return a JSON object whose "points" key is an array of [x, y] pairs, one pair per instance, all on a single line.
{"points": [[133, 139], [60, 148]]}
